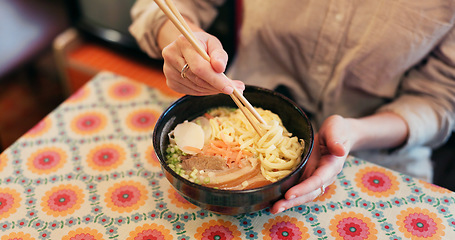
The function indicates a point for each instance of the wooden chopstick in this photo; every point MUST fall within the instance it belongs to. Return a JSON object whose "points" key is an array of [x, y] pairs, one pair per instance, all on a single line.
{"points": [[248, 105], [183, 27], [247, 115], [177, 19], [193, 40]]}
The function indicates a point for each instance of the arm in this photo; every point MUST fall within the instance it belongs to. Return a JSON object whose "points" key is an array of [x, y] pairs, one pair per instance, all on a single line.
{"points": [[148, 19], [335, 139], [427, 97], [168, 33], [202, 78], [379, 131], [422, 114]]}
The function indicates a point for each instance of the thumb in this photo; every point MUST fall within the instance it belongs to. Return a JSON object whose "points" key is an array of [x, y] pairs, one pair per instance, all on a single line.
{"points": [[337, 148], [335, 136]]}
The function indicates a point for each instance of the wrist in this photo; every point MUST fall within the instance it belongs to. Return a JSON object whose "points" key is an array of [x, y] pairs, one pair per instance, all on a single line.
{"points": [[168, 33], [379, 131], [356, 136]]}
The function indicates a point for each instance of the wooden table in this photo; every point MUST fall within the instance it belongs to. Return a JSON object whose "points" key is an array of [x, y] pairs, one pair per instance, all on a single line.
{"points": [[88, 169]]}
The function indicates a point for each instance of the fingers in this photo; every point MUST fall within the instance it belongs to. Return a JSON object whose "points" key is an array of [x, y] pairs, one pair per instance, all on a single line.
{"points": [[337, 148], [324, 175], [313, 160], [294, 201], [332, 144], [218, 57], [173, 65], [202, 77], [189, 85], [204, 69], [192, 84], [239, 85], [284, 204]]}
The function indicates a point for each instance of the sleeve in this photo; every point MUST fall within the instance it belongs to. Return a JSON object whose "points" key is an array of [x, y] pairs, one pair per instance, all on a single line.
{"points": [[427, 97], [147, 19]]}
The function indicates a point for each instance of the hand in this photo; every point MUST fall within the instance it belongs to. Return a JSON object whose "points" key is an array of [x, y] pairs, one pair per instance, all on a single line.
{"points": [[202, 77], [331, 146]]}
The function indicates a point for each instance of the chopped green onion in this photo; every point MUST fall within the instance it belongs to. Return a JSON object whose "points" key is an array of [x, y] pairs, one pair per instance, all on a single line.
{"points": [[206, 180]]}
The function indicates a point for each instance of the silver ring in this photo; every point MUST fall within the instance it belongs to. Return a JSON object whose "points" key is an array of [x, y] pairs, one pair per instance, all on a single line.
{"points": [[184, 70], [322, 190]]}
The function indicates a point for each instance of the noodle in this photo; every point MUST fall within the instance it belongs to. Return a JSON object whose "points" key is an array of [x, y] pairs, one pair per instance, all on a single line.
{"points": [[277, 150]]}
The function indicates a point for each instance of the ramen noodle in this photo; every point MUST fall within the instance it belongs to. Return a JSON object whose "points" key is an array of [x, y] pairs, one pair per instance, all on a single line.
{"points": [[221, 149]]}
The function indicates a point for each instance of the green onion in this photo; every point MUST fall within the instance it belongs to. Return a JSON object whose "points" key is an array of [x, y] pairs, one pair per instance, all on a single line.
{"points": [[206, 180]]}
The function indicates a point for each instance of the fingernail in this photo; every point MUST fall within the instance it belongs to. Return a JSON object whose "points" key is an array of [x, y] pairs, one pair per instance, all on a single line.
{"points": [[228, 90], [342, 146], [343, 143], [217, 58], [291, 197], [281, 209]]}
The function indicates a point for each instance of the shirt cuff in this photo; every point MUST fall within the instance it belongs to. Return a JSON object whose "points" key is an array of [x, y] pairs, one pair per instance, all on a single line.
{"points": [[147, 24], [427, 126], [145, 29]]}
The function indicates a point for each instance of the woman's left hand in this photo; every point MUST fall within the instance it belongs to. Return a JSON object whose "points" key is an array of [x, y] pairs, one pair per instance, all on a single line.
{"points": [[331, 146]]}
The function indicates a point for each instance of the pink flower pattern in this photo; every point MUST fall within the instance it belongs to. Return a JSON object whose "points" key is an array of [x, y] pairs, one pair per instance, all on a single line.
{"points": [[217, 232], [150, 231], [126, 196], [89, 171], [6, 202], [62, 200], [47, 160], [420, 225], [79, 95], [124, 90], [150, 234], [285, 230], [9, 202], [88, 123], [353, 228], [143, 120], [376, 181], [83, 236], [40, 128], [106, 157]]}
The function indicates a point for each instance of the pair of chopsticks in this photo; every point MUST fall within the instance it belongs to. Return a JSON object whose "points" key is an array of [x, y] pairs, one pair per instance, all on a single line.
{"points": [[168, 7]]}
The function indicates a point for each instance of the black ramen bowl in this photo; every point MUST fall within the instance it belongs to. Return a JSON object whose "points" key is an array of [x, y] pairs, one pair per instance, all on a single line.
{"points": [[232, 202]]}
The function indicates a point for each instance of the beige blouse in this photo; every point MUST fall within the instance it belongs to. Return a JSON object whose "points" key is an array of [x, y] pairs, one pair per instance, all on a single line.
{"points": [[352, 58]]}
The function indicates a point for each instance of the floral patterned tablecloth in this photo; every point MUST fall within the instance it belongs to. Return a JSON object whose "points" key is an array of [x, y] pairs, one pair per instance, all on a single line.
{"points": [[88, 171]]}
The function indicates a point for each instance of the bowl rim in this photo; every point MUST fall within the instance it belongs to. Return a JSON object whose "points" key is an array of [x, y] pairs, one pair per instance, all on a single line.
{"points": [[248, 88]]}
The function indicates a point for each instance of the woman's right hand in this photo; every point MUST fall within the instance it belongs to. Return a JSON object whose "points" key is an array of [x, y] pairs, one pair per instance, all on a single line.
{"points": [[202, 77]]}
